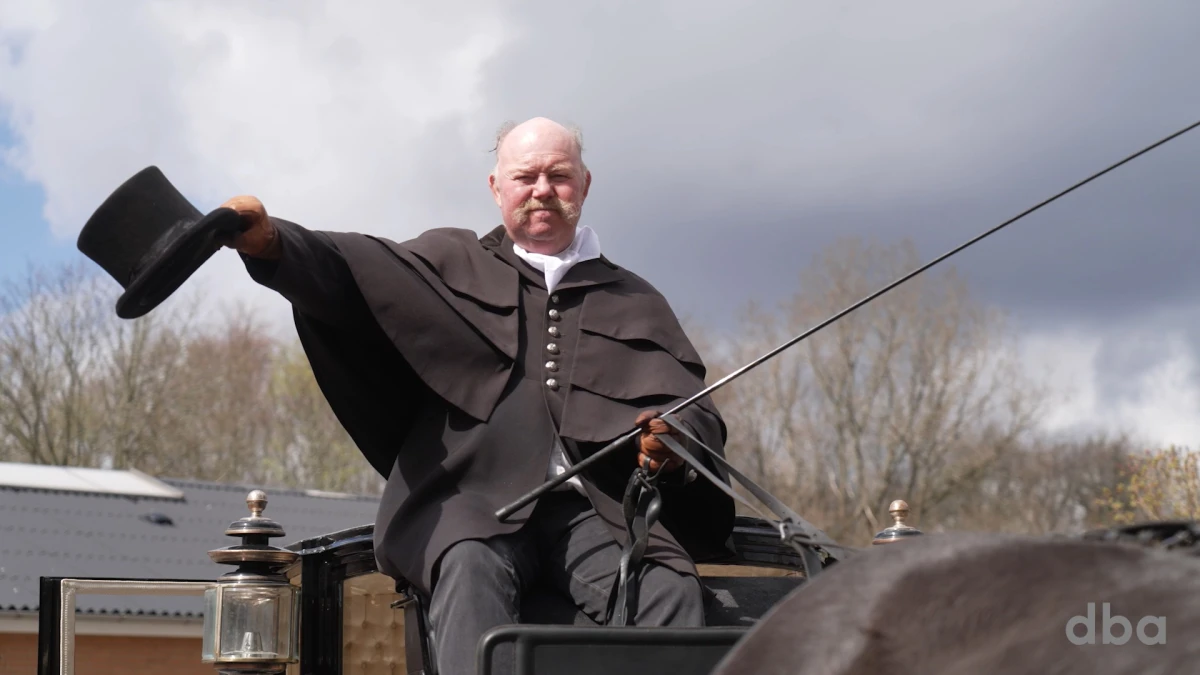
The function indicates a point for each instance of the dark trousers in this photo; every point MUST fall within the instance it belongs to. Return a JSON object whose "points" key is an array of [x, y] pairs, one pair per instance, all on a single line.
{"points": [[479, 584]]}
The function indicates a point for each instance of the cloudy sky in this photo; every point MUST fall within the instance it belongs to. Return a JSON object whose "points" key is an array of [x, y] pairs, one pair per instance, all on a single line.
{"points": [[740, 137]]}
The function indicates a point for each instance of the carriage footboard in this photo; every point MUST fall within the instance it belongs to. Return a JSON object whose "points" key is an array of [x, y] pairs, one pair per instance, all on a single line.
{"points": [[585, 650]]}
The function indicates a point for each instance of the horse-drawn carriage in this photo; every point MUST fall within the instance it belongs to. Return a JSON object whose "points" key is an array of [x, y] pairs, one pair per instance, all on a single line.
{"points": [[319, 606]]}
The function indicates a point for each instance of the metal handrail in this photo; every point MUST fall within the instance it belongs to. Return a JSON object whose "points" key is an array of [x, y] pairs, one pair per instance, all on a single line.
{"points": [[69, 588]]}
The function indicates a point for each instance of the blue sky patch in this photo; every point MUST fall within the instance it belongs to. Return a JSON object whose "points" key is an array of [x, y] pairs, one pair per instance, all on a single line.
{"points": [[27, 236]]}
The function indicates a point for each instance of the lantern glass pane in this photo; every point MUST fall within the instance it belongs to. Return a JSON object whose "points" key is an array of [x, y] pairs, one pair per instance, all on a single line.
{"points": [[210, 625], [257, 622]]}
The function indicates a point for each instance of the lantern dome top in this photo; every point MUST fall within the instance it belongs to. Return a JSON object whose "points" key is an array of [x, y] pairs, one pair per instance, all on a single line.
{"points": [[256, 523], [255, 532], [899, 529]]}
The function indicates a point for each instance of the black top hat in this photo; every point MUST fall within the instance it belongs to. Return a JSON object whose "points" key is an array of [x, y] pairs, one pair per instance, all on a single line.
{"points": [[150, 238]]}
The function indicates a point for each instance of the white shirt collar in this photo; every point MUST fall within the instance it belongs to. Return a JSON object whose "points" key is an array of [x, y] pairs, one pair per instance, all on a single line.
{"points": [[585, 246]]}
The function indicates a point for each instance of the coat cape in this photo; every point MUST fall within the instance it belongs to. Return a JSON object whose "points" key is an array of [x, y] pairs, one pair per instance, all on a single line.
{"points": [[395, 330]]}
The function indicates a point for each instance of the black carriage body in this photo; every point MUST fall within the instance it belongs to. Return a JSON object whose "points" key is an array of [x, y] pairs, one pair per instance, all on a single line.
{"points": [[350, 612], [353, 619]]}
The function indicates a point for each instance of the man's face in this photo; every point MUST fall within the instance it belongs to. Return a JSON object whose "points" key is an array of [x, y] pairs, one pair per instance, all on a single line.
{"points": [[540, 185]]}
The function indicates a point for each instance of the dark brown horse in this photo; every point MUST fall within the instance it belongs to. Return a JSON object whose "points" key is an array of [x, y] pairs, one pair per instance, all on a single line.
{"points": [[985, 605]]}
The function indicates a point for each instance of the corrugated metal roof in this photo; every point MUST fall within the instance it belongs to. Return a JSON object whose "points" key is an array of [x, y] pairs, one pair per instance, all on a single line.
{"points": [[80, 534]]}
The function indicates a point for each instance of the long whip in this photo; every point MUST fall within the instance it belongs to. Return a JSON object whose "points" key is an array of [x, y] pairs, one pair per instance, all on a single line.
{"points": [[507, 511]]}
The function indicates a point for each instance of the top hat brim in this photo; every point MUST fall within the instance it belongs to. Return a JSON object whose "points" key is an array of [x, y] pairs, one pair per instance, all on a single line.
{"points": [[170, 263]]}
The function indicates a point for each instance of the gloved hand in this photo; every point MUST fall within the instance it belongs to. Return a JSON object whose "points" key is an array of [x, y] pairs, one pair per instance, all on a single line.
{"points": [[651, 447]]}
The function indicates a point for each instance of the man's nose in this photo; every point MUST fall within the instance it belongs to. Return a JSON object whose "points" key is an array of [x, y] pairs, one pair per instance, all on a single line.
{"points": [[541, 189]]}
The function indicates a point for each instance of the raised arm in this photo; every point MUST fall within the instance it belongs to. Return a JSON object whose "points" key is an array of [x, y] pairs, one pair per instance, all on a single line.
{"points": [[301, 265]]}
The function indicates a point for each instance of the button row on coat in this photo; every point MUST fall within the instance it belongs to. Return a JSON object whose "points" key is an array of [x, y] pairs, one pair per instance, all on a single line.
{"points": [[552, 366]]}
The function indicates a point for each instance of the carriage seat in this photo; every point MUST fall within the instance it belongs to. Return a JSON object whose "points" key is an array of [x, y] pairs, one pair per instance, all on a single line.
{"points": [[732, 602]]}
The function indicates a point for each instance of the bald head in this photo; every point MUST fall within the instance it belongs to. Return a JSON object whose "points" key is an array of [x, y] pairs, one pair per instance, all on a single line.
{"points": [[538, 129], [540, 182]]}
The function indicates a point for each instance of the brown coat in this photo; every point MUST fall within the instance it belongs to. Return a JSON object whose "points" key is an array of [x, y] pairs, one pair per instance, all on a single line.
{"points": [[435, 354]]}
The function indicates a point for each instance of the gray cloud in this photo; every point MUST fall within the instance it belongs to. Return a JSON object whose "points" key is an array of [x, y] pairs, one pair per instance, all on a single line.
{"points": [[732, 148], [746, 138]]}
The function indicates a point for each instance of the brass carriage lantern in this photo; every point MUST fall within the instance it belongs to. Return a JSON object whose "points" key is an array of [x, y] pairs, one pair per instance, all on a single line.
{"points": [[251, 616], [899, 530]]}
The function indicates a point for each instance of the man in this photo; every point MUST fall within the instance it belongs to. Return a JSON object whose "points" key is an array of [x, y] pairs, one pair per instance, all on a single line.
{"points": [[470, 369]]}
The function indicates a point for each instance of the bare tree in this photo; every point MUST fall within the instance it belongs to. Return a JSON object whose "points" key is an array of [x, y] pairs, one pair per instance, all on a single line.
{"points": [[223, 416], [916, 395], [135, 388], [222, 402], [50, 325], [1050, 486], [311, 447]]}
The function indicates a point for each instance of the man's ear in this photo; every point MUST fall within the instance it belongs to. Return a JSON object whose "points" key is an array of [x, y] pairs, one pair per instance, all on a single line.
{"points": [[492, 186]]}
